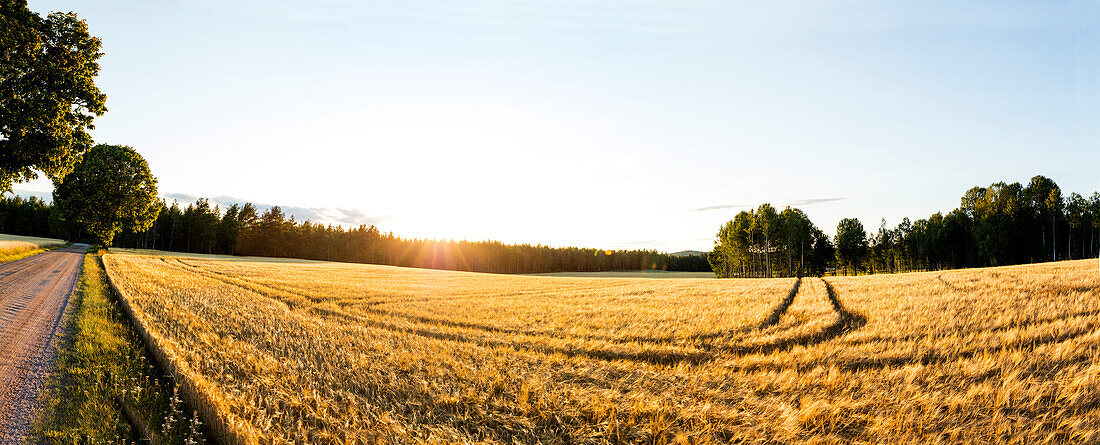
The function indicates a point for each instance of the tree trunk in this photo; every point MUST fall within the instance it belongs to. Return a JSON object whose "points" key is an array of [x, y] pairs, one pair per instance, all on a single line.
{"points": [[790, 262], [1054, 239], [802, 257], [767, 258]]}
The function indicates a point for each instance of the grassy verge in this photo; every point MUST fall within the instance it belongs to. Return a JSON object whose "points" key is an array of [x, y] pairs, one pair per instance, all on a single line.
{"points": [[104, 388]]}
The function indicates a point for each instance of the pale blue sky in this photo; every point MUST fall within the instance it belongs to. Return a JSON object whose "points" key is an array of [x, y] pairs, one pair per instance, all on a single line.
{"points": [[599, 123]]}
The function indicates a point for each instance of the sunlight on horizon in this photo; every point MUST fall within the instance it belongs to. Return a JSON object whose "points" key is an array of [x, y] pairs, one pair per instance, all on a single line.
{"points": [[604, 125]]}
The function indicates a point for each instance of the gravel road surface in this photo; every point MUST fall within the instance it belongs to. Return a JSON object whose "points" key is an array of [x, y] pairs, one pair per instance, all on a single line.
{"points": [[33, 295]]}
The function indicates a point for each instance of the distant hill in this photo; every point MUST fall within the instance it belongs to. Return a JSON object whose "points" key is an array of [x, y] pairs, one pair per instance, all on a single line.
{"points": [[45, 196], [688, 253]]}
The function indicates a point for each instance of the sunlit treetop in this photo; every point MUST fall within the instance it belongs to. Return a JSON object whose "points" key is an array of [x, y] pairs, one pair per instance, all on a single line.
{"points": [[48, 96]]}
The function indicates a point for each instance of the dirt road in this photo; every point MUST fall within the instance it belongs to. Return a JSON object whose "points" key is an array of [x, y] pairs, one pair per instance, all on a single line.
{"points": [[33, 295]]}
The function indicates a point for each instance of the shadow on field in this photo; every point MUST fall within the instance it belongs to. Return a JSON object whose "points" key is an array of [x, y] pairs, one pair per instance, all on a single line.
{"points": [[703, 345], [781, 309], [938, 357], [933, 357], [845, 322], [962, 330], [369, 308], [1047, 287]]}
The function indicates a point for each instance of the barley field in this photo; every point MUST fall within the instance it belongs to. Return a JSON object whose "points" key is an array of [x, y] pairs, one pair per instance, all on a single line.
{"points": [[311, 352], [13, 247], [652, 273]]}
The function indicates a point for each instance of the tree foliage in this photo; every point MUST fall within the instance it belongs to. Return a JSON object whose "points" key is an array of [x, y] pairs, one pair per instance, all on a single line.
{"points": [[109, 189], [48, 97], [995, 225], [764, 243], [851, 244]]}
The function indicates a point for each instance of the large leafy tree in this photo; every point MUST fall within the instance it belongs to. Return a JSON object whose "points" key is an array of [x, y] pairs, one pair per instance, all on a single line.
{"points": [[109, 189], [851, 243], [48, 96]]}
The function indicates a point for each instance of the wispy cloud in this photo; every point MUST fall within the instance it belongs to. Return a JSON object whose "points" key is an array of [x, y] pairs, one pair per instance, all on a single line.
{"points": [[794, 203], [812, 201], [337, 215], [721, 207]]}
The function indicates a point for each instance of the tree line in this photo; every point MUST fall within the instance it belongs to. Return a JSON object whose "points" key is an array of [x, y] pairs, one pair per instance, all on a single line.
{"points": [[201, 227], [27, 217], [997, 225], [48, 101]]}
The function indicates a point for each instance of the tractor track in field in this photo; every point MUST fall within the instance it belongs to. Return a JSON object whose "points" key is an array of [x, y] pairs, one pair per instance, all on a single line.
{"points": [[258, 286], [702, 349], [34, 293], [702, 340]]}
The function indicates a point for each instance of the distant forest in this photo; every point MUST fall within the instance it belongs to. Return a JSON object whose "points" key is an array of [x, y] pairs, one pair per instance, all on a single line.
{"points": [[997, 225], [241, 230]]}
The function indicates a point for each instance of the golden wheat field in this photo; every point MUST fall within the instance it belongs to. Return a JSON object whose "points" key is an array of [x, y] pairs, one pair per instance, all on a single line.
{"points": [[14, 246], [313, 352]]}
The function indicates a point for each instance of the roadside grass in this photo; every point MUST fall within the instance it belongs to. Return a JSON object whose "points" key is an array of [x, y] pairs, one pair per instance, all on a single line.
{"points": [[104, 388]]}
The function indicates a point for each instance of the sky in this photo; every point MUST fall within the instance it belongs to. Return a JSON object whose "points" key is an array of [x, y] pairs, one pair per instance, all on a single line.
{"points": [[599, 123]]}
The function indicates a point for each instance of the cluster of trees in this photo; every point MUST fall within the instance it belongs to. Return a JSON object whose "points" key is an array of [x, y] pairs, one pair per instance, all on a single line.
{"points": [[27, 217], [996, 225], [48, 101], [242, 230], [766, 242]]}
